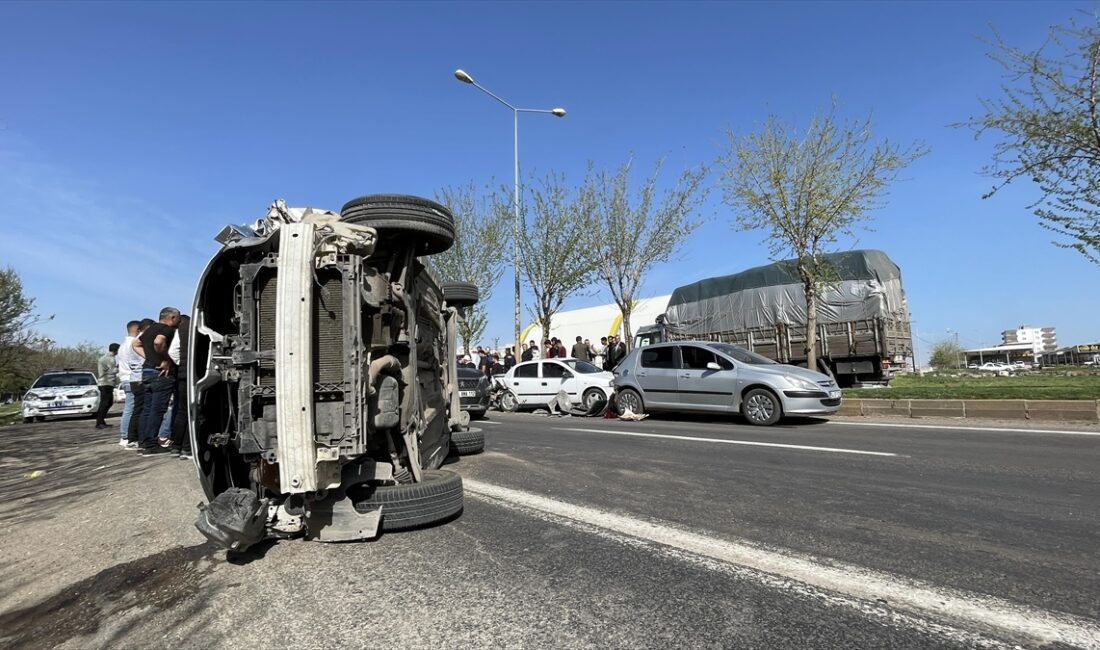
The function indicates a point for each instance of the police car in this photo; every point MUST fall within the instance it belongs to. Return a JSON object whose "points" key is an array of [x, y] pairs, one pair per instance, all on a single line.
{"points": [[59, 393]]}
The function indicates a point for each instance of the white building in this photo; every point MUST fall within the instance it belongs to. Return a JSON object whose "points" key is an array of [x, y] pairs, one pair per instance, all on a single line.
{"points": [[1042, 339], [595, 322]]}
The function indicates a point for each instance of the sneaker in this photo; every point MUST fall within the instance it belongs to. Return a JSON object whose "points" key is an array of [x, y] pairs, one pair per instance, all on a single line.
{"points": [[165, 442], [131, 445], [154, 451], [122, 443], [185, 454], [174, 452]]}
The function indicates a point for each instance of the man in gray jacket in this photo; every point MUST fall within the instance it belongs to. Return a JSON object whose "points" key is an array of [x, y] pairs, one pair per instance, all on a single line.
{"points": [[107, 372]]}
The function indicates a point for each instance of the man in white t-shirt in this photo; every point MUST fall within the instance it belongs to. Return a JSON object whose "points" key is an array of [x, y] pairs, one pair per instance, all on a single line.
{"points": [[125, 377]]}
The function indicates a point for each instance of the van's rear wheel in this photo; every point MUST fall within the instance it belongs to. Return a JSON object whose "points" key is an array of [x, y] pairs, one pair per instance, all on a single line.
{"points": [[761, 407]]}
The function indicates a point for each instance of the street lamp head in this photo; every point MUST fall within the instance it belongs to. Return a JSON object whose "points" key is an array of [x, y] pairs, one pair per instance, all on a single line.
{"points": [[465, 78], [558, 112]]}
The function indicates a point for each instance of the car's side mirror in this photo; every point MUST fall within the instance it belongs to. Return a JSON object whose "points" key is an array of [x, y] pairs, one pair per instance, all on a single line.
{"points": [[713, 365], [567, 375]]}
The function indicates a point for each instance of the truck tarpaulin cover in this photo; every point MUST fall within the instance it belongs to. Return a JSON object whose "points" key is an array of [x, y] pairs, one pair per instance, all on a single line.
{"points": [[865, 284]]}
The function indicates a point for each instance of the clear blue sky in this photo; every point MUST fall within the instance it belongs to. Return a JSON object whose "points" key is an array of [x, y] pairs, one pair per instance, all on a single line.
{"points": [[131, 132]]}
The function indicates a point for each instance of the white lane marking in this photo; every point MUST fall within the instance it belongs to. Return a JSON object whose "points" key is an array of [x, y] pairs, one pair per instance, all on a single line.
{"points": [[488, 422], [964, 428], [871, 590], [751, 443]]}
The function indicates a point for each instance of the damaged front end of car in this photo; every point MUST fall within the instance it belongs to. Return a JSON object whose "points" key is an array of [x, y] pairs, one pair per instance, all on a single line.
{"points": [[323, 388]]}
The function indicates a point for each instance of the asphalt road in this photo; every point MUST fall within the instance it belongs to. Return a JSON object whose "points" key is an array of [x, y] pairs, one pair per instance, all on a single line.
{"points": [[587, 533]]}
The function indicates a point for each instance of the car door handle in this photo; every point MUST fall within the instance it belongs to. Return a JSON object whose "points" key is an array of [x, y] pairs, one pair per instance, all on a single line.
{"points": [[685, 376], [515, 383], [639, 374], [544, 383]]}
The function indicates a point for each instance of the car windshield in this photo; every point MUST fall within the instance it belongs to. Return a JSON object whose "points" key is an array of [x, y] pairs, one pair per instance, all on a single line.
{"points": [[582, 367], [741, 354], [65, 379]]}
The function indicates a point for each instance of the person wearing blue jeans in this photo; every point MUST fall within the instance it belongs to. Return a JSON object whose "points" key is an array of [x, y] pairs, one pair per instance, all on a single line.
{"points": [[126, 378], [157, 378]]}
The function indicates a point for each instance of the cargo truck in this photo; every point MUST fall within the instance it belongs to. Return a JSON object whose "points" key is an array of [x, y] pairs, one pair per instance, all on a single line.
{"points": [[863, 328]]}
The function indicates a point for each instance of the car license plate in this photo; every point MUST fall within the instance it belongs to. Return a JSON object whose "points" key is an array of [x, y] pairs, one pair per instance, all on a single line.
{"points": [[467, 393], [61, 404], [834, 393]]}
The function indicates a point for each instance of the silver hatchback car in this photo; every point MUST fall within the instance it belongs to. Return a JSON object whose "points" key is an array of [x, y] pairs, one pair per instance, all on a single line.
{"points": [[705, 376]]}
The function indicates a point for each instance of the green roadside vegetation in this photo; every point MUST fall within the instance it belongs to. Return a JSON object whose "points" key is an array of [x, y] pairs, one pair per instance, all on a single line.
{"points": [[11, 413], [1030, 385]]}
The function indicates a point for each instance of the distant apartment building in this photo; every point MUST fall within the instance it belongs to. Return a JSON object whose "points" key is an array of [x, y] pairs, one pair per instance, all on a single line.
{"points": [[1042, 339]]}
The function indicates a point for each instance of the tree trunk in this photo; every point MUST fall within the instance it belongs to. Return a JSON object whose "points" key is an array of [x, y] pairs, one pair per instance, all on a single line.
{"points": [[544, 323], [811, 325], [628, 336]]}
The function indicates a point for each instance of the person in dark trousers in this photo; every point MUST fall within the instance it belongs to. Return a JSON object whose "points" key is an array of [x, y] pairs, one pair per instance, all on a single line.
{"points": [[485, 366], [509, 359], [107, 372], [137, 389], [156, 378], [181, 434]]}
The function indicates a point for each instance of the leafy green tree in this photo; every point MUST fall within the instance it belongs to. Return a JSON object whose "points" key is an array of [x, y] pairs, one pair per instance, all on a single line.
{"points": [[556, 258], [640, 227], [17, 321], [482, 237], [946, 354], [805, 189], [1048, 121]]}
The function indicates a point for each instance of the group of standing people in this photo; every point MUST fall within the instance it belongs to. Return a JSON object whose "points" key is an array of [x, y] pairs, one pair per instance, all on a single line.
{"points": [[149, 366], [606, 354]]}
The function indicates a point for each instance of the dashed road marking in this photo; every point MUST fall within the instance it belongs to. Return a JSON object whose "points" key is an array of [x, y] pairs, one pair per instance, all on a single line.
{"points": [[725, 441], [939, 610]]}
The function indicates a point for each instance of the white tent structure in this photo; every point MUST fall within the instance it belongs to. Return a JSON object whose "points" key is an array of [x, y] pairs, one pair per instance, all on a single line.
{"points": [[595, 322]]}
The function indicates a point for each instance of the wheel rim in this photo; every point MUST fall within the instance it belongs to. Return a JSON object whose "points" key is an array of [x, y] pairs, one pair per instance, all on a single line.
{"points": [[629, 402], [508, 402], [760, 408], [590, 398]]}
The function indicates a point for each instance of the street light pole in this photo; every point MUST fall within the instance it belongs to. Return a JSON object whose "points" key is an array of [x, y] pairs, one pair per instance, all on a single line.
{"points": [[556, 112]]}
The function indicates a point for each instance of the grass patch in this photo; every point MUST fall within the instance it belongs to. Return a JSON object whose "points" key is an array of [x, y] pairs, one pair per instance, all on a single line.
{"points": [[11, 413], [1037, 385]]}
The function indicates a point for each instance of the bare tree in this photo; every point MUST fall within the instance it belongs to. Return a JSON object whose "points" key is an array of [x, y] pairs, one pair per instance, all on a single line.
{"points": [[1049, 122], [482, 234], [806, 189], [638, 229], [556, 258]]}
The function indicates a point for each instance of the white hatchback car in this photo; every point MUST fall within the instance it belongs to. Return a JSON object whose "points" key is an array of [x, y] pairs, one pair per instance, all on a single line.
{"points": [[61, 392], [535, 383]]}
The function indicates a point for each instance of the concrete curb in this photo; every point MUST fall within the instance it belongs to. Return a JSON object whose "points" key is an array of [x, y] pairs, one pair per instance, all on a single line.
{"points": [[992, 409]]}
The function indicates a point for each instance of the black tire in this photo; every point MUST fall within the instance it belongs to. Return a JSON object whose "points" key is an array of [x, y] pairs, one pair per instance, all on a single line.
{"points": [[401, 217], [460, 294], [628, 398], [28, 420], [761, 407], [412, 505], [509, 402], [467, 443], [591, 396], [40, 418], [476, 416]]}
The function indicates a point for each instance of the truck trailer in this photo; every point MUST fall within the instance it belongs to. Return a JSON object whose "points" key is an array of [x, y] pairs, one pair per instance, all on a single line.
{"points": [[863, 328]]}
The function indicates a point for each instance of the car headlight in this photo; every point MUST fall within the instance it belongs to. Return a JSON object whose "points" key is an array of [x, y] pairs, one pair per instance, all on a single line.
{"points": [[803, 383], [32, 397], [91, 393]]}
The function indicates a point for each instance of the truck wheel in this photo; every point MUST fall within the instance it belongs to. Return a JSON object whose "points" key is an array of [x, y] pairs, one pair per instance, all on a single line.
{"points": [[629, 399], [403, 218], [437, 498], [460, 294], [467, 443], [760, 406]]}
